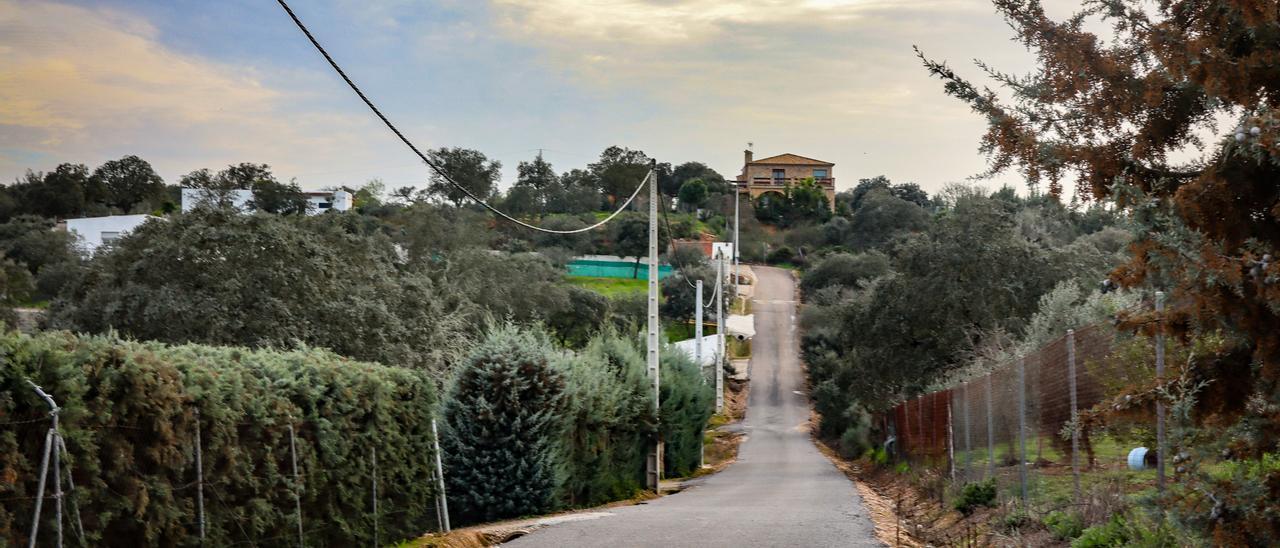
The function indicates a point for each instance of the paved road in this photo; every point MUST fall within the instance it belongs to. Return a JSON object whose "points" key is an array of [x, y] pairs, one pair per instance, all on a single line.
{"points": [[781, 492]]}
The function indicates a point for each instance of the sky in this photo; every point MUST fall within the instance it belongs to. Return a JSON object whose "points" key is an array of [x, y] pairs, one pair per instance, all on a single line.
{"points": [[190, 84]]}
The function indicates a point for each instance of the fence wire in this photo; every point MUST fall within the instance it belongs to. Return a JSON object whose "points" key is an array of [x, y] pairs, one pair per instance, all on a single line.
{"points": [[1015, 424]]}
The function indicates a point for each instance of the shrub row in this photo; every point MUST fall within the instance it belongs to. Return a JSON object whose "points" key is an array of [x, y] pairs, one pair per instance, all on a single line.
{"points": [[129, 413]]}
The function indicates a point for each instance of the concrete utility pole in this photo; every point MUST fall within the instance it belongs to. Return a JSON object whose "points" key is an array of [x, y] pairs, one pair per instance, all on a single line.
{"points": [[655, 458], [720, 354], [697, 322]]}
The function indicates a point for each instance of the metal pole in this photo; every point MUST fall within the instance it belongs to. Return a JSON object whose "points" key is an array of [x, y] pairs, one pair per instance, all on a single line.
{"points": [[199, 477], [71, 489], [1022, 426], [297, 485], [720, 335], [444, 501], [697, 323], [655, 458], [1160, 441], [964, 409], [44, 473], [951, 442], [373, 455], [1075, 416], [57, 480], [50, 438], [991, 436]]}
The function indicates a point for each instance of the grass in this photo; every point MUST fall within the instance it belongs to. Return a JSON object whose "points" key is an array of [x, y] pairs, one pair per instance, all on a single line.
{"points": [[739, 349], [610, 287], [681, 331], [740, 306]]}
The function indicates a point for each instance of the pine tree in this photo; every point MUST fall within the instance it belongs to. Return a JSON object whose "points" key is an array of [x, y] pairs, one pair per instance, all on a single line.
{"points": [[1136, 119], [502, 421]]}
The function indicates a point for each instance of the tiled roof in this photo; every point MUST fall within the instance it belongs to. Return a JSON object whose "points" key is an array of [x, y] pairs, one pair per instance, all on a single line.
{"points": [[789, 158]]}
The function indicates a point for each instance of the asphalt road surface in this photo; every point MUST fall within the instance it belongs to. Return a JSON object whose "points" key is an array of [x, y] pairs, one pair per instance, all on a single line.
{"points": [[780, 492]]}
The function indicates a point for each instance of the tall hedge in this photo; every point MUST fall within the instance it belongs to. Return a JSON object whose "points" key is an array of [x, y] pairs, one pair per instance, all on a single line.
{"points": [[129, 417], [687, 404], [610, 422]]}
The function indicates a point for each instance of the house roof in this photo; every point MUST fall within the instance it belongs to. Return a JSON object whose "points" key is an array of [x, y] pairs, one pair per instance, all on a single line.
{"points": [[793, 159]]}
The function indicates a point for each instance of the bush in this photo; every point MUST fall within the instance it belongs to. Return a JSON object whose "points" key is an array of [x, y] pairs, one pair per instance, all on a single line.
{"points": [[1064, 525], [1111, 533], [687, 403], [611, 423], [782, 254], [129, 420], [1014, 520], [503, 419], [973, 495]]}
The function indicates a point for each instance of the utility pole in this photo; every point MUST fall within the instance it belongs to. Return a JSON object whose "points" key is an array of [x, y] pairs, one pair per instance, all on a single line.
{"points": [[697, 322], [655, 458], [720, 354]]}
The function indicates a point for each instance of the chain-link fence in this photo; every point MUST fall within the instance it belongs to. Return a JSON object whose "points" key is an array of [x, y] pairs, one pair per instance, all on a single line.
{"points": [[1015, 425]]}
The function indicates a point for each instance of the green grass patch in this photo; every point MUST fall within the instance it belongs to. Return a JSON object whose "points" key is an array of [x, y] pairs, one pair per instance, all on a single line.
{"points": [[610, 287], [738, 349]]}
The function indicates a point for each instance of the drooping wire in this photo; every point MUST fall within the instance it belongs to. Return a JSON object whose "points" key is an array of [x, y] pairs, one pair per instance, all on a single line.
{"points": [[672, 243], [437, 169]]}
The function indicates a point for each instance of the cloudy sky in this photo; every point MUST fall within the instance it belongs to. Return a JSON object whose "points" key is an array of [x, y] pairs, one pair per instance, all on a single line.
{"points": [[188, 84]]}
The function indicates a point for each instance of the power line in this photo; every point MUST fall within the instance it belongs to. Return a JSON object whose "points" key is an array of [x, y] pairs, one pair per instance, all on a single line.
{"points": [[427, 160], [671, 236]]}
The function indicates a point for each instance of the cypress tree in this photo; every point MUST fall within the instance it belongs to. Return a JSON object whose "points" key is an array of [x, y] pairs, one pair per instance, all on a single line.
{"points": [[503, 420]]}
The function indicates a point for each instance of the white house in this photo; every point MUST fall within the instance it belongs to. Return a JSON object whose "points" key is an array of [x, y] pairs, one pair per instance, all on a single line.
{"points": [[320, 202], [317, 202], [94, 232]]}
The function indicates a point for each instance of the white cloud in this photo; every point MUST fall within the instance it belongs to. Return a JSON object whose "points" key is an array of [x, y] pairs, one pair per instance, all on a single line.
{"points": [[83, 85]]}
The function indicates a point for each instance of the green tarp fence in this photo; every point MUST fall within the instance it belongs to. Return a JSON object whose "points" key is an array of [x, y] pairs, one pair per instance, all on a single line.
{"points": [[615, 269]]}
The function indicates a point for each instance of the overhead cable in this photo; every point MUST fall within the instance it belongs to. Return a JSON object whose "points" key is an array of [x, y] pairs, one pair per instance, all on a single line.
{"points": [[437, 169]]}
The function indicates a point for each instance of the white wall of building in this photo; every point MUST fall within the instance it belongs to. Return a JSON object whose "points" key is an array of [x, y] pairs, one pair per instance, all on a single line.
{"points": [[93, 232], [321, 202]]}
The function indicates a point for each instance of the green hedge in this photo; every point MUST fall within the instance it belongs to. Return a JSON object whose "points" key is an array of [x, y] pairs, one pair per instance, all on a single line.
{"points": [[128, 417]]}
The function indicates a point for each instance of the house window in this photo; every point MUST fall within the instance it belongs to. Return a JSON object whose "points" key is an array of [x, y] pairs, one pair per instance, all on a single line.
{"points": [[109, 238], [324, 205], [779, 175], [819, 174]]}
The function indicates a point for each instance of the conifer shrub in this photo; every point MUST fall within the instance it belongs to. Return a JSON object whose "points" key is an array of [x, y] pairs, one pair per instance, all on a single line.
{"points": [[687, 403], [504, 419], [129, 420], [610, 422]]}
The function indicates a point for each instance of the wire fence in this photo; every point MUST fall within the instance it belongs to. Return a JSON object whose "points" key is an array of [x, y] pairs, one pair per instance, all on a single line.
{"points": [[1017, 426], [233, 498]]}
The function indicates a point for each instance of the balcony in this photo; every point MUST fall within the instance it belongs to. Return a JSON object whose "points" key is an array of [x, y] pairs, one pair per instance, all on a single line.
{"points": [[780, 182]]}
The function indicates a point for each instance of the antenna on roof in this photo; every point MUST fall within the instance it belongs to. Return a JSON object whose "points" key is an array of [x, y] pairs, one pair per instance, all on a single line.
{"points": [[751, 146]]}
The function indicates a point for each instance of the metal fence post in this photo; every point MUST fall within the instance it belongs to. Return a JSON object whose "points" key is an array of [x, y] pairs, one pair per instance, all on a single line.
{"points": [[297, 484], [50, 439], [199, 477], [964, 409], [1160, 441], [951, 441], [1075, 414], [991, 436], [1022, 426], [444, 501], [373, 456], [71, 489]]}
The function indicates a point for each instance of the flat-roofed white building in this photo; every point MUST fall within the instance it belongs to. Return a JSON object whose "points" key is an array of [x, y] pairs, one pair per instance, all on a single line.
{"points": [[320, 202], [92, 233]]}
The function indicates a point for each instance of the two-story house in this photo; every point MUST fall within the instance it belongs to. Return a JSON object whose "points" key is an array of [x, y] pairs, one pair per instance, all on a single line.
{"points": [[775, 173]]}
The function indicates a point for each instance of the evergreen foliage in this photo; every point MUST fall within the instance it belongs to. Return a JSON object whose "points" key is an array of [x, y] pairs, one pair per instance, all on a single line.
{"points": [[611, 422], [687, 402], [503, 420], [128, 417]]}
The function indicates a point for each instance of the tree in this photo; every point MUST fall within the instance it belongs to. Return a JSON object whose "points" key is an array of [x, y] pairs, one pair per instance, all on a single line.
{"points": [[881, 217], [693, 194], [803, 201], [502, 420], [618, 171], [575, 324], [130, 182], [679, 292], [218, 277], [844, 270], [687, 171], [1127, 117], [272, 196], [631, 238], [469, 168]]}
